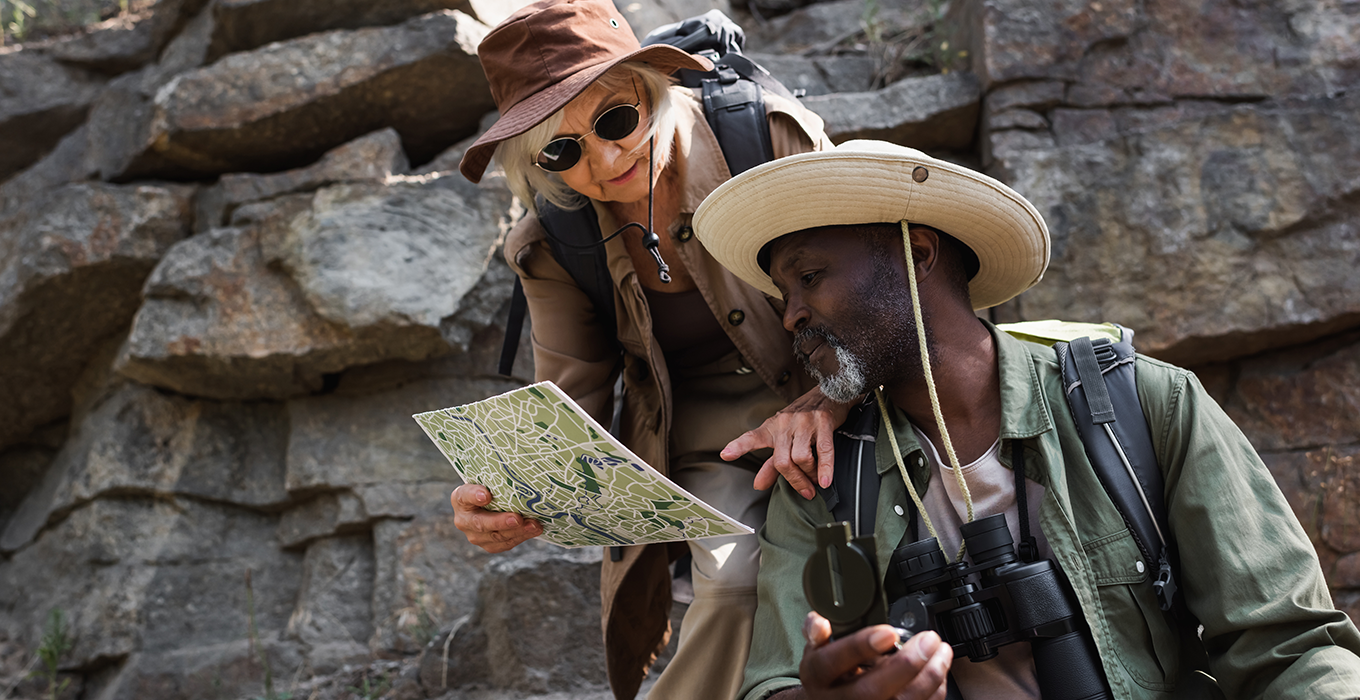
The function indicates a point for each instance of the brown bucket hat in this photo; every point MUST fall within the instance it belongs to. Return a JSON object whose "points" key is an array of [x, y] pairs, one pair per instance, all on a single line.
{"points": [[546, 54]]}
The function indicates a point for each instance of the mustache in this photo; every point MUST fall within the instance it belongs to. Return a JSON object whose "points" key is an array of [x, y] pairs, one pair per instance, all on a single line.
{"points": [[810, 332]]}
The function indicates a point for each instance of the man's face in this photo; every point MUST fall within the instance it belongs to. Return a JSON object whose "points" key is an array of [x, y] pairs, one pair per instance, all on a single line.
{"points": [[848, 305]]}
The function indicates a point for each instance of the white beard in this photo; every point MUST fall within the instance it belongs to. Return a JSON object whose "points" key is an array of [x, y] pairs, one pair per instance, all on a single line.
{"points": [[847, 383]]}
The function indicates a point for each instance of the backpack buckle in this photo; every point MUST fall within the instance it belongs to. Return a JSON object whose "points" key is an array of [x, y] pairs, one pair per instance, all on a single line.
{"points": [[1165, 585]]}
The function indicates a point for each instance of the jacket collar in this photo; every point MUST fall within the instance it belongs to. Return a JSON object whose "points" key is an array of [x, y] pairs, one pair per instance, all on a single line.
{"points": [[1025, 412]]}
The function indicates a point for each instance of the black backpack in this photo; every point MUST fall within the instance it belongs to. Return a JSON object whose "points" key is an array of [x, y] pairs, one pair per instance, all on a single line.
{"points": [[734, 106]]}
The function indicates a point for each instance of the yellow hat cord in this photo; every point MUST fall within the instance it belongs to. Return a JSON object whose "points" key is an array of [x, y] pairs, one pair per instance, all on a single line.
{"points": [[934, 405]]}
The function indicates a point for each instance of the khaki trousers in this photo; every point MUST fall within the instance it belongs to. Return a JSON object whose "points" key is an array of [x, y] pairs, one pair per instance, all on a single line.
{"points": [[713, 405]]}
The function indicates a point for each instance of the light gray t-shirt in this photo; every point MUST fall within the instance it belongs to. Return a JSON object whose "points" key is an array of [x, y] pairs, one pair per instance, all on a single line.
{"points": [[992, 486]]}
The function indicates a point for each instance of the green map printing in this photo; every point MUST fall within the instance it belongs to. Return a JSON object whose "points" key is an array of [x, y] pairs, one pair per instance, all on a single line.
{"points": [[544, 458]]}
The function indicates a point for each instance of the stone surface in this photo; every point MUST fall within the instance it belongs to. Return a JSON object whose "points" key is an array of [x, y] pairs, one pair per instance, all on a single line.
{"points": [[315, 283], [125, 42], [935, 113], [370, 158], [427, 578], [1246, 217], [72, 262], [242, 25], [151, 575], [819, 28], [217, 322], [332, 618], [360, 508], [1299, 398], [340, 441], [367, 256], [40, 102], [535, 630], [119, 127], [22, 467], [231, 669], [645, 15], [819, 75], [284, 104], [139, 441], [1136, 52]]}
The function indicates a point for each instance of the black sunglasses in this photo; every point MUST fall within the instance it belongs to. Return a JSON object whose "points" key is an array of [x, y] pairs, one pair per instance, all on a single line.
{"points": [[616, 123]]}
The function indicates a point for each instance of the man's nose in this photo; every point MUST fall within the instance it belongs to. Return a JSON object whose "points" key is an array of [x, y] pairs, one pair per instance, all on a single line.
{"points": [[795, 315]]}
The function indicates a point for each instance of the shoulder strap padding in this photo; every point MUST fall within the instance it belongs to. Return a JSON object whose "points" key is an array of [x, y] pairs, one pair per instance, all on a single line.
{"points": [[735, 109], [855, 477], [1099, 382]]}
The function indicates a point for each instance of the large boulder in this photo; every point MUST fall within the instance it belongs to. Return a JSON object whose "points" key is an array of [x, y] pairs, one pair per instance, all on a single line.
{"points": [[340, 441], [140, 441], [1134, 52], [242, 25], [1213, 238], [535, 629], [332, 618], [370, 158], [938, 112], [645, 15], [819, 75], [284, 104], [125, 42], [118, 122], [72, 264], [170, 577], [40, 102], [307, 285]]}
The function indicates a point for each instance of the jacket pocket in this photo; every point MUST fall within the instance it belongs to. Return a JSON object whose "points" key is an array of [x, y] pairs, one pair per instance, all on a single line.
{"points": [[1140, 634]]}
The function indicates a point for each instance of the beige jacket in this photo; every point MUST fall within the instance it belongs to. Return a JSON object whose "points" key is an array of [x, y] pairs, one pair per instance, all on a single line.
{"points": [[572, 349]]}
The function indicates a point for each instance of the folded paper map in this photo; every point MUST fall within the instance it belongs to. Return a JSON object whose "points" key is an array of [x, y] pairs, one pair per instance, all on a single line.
{"points": [[545, 458]]}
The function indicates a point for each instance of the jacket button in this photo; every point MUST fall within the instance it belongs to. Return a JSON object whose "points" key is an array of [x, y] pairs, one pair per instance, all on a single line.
{"points": [[736, 317], [686, 233], [784, 378]]}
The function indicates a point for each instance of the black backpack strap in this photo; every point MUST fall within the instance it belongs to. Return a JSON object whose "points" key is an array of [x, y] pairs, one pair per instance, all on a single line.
{"points": [[853, 493], [513, 327], [573, 236], [735, 109], [1099, 382]]}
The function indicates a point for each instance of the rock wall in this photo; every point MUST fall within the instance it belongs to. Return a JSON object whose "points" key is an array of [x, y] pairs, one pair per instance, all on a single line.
{"points": [[235, 256]]}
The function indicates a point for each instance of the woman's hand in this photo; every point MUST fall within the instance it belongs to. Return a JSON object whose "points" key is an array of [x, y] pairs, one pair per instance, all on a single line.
{"points": [[492, 531], [866, 665], [800, 436]]}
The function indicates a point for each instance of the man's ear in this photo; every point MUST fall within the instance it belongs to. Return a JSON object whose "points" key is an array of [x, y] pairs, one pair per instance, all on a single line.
{"points": [[925, 250]]}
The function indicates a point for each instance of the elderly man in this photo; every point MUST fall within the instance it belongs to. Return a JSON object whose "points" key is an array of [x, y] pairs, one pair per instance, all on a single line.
{"points": [[960, 404]]}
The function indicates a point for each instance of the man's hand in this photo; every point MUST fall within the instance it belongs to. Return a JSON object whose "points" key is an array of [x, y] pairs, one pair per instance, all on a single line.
{"points": [[861, 666], [800, 435], [492, 531]]}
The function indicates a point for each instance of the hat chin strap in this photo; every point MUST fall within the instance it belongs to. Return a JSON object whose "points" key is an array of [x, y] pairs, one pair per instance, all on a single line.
{"points": [[649, 237], [934, 404]]}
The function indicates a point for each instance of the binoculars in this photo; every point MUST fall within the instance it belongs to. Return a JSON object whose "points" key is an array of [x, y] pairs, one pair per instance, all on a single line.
{"points": [[975, 608]]}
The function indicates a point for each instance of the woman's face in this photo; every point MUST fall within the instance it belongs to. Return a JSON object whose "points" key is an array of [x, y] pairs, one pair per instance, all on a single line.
{"points": [[609, 171]]}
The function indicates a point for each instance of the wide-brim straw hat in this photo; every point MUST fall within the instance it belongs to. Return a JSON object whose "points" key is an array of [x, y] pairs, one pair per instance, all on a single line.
{"points": [[866, 182], [546, 54]]}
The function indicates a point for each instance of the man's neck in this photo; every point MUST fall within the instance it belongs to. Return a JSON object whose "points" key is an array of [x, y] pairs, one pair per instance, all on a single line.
{"points": [[968, 384]]}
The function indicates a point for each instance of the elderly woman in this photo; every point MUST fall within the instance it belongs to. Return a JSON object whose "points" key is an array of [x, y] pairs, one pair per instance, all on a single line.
{"points": [[589, 119]]}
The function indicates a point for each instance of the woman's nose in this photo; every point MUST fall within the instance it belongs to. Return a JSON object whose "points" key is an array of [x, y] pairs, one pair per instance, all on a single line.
{"points": [[605, 154]]}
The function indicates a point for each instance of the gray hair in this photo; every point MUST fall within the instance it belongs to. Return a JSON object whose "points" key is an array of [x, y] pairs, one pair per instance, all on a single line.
{"points": [[516, 154]]}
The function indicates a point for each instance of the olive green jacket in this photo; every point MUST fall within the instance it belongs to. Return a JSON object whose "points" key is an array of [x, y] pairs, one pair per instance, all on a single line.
{"points": [[1248, 571]]}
